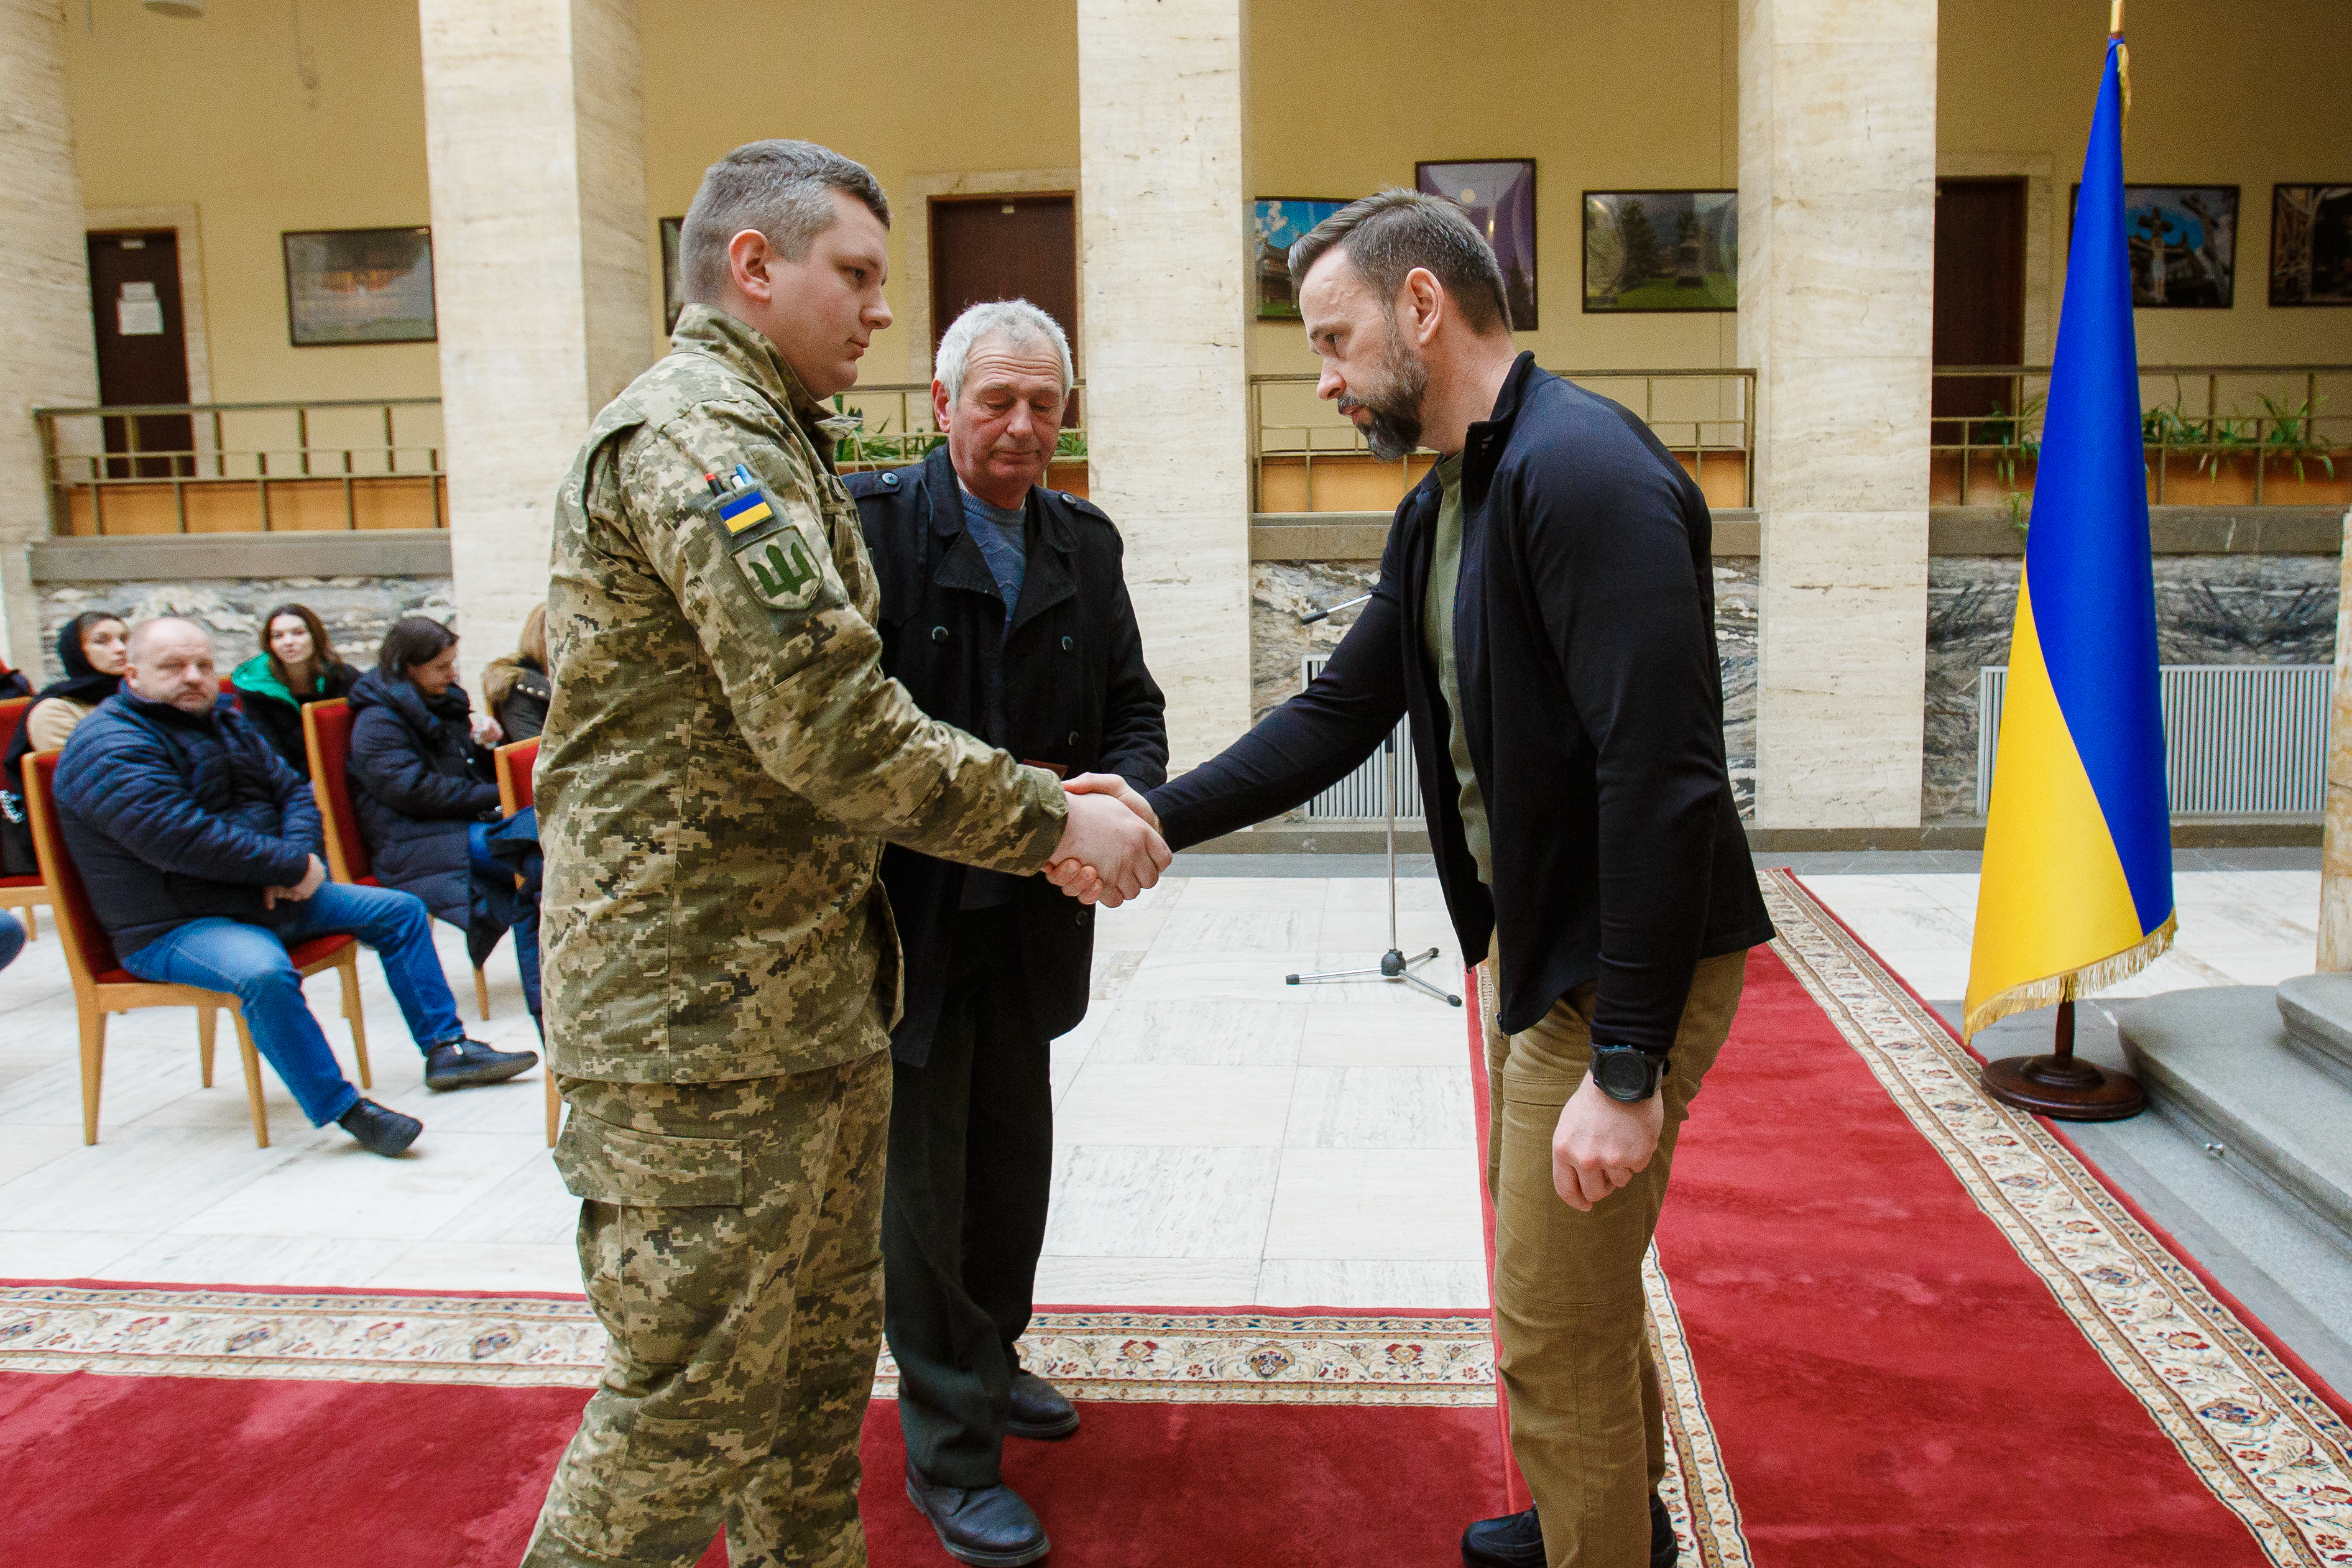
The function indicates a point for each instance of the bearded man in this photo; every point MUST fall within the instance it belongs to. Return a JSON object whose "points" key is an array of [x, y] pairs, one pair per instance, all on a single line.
{"points": [[1545, 614]]}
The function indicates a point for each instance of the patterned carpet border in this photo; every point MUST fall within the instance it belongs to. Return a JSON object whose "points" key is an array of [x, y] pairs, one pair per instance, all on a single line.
{"points": [[1696, 1490], [1267, 1358], [2269, 1449]]}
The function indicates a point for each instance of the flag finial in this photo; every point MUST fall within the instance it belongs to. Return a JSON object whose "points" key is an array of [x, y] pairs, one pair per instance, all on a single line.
{"points": [[2115, 18]]}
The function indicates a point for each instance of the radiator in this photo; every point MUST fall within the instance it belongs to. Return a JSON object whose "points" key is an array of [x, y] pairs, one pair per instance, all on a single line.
{"points": [[2240, 740], [1358, 794]]}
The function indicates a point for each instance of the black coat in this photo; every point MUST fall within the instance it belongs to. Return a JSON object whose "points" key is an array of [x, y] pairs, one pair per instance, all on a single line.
{"points": [[1584, 642], [174, 816], [280, 720], [418, 782], [1075, 695]]}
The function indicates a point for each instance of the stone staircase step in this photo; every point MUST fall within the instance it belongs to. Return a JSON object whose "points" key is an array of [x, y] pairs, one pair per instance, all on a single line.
{"points": [[2220, 1061], [2317, 1011]]}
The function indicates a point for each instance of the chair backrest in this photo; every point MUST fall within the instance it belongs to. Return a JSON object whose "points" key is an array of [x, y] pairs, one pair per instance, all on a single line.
{"points": [[12, 713], [327, 732], [89, 952], [515, 762]]}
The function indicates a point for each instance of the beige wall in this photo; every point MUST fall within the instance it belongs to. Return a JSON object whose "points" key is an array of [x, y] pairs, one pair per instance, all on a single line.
{"points": [[2246, 94], [263, 130]]}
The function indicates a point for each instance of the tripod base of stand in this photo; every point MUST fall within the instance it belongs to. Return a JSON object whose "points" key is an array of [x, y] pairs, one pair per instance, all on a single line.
{"points": [[2065, 1088], [1393, 966]]}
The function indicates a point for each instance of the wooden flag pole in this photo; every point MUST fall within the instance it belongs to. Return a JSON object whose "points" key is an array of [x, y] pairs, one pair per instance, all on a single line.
{"points": [[2062, 1085]]}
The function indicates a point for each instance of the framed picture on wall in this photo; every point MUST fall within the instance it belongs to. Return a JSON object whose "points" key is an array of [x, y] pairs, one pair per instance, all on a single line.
{"points": [[2184, 245], [2311, 245], [673, 295], [1278, 223], [359, 285], [1661, 250], [1499, 195]]}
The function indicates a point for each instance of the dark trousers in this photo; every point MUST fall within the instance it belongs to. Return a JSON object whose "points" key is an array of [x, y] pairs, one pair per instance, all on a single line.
{"points": [[963, 1215]]}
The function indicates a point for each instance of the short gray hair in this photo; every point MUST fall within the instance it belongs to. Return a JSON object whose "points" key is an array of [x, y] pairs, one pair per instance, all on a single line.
{"points": [[783, 189], [1388, 235], [1017, 322]]}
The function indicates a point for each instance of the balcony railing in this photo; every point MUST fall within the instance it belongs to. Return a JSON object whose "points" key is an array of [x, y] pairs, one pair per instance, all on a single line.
{"points": [[244, 468], [2215, 435], [1306, 457]]}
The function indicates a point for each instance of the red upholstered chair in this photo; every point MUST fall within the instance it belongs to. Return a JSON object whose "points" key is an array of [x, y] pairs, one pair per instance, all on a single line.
{"points": [[26, 893], [101, 986], [327, 735], [515, 762]]}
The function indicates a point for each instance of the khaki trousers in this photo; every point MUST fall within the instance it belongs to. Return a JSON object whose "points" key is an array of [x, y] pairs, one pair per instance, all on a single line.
{"points": [[1588, 1421], [730, 1237]]}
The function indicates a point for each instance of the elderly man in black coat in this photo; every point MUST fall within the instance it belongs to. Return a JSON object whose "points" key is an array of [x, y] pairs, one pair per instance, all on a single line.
{"points": [[1004, 612]]}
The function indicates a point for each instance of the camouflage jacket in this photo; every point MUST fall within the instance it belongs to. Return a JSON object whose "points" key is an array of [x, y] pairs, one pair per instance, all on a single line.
{"points": [[724, 755]]}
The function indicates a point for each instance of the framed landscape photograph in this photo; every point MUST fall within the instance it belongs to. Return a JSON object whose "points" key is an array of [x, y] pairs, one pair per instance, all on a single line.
{"points": [[359, 285], [1499, 195], [2311, 245], [673, 295], [2184, 245], [1279, 223], [1661, 250]]}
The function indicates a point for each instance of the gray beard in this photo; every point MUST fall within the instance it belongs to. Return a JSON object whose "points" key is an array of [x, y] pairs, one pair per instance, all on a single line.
{"points": [[1395, 429]]}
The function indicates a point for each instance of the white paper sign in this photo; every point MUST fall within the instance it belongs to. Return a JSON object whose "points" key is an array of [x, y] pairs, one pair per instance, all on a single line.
{"points": [[138, 317]]}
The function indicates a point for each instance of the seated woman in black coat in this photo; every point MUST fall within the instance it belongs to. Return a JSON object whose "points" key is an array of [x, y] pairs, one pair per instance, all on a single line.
{"points": [[297, 664], [422, 783], [516, 688]]}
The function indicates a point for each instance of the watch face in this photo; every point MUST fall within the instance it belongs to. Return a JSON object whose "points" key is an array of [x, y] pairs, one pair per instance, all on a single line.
{"points": [[1623, 1074]]}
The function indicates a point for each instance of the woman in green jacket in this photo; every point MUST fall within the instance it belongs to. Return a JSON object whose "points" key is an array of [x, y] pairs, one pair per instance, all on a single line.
{"points": [[297, 664]]}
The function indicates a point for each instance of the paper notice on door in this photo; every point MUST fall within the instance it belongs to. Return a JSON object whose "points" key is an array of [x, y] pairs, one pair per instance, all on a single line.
{"points": [[136, 318]]}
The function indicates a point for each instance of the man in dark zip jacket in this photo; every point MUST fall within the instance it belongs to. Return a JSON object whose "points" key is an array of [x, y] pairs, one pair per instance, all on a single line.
{"points": [[199, 849], [1545, 614], [1004, 613]]}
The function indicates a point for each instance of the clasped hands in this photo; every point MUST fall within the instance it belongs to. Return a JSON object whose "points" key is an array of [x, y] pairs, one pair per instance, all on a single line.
{"points": [[309, 884], [1111, 848]]}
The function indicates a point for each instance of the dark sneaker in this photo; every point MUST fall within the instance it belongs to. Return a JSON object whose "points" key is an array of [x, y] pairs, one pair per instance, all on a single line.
{"points": [[1039, 1409], [457, 1063], [989, 1526], [1663, 1548], [1515, 1540], [380, 1128]]}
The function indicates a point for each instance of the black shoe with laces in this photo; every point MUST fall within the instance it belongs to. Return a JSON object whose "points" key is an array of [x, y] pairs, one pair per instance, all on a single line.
{"points": [[988, 1526], [380, 1128], [1515, 1540], [454, 1064]]}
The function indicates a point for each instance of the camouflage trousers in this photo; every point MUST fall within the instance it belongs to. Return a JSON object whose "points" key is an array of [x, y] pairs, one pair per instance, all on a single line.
{"points": [[729, 1239]]}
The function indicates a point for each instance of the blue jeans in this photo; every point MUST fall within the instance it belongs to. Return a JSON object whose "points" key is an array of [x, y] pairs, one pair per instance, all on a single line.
{"points": [[12, 940], [251, 962], [497, 877]]}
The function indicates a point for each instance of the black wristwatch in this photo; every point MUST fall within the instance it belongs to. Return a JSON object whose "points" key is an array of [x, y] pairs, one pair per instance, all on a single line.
{"points": [[1627, 1073]]}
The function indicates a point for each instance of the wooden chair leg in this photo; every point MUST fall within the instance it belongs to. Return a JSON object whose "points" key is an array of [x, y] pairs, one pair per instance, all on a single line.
{"points": [[252, 1080], [93, 1064], [32, 913], [482, 993], [349, 969], [207, 1020], [555, 1107]]}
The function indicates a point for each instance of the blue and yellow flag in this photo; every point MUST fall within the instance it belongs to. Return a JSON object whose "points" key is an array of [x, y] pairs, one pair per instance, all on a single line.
{"points": [[2077, 886]]}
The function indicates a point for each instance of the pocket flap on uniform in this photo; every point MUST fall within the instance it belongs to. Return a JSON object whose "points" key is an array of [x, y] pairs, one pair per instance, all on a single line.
{"points": [[610, 1165]]}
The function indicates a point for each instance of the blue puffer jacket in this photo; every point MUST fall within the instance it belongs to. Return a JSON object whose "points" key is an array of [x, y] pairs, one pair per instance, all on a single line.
{"points": [[418, 781], [175, 816]]}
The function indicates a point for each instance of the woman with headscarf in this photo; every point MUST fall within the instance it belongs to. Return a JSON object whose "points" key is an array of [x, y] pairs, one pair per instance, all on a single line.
{"points": [[94, 648], [297, 664], [515, 686]]}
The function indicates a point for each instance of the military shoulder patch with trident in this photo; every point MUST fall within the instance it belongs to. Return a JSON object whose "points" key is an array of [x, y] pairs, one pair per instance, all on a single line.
{"points": [[768, 546]]}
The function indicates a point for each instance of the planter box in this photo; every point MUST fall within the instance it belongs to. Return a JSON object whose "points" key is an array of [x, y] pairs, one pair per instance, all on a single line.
{"points": [[1357, 481], [235, 506], [2188, 478]]}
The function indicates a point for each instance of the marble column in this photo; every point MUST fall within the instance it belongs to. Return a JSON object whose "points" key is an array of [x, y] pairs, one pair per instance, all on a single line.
{"points": [[47, 356], [535, 148], [2336, 859], [1163, 93], [1837, 182]]}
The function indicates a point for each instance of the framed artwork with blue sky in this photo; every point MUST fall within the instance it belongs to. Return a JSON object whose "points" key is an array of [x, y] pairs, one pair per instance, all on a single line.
{"points": [[1279, 223]]}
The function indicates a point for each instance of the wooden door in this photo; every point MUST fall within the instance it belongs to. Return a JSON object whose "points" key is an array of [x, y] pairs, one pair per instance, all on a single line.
{"points": [[1017, 247], [142, 349], [1979, 299]]}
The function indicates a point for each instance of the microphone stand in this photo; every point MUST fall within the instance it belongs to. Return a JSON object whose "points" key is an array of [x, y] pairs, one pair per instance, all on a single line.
{"points": [[1394, 965]]}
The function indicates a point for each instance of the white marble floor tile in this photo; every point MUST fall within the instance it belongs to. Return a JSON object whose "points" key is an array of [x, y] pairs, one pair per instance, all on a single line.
{"points": [[255, 1260], [138, 1180], [1419, 1205], [1161, 1203], [1352, 1282], [64, 1254], [346, 1191], [1199, 931], [1350, 1034], [1202, 1033], [1070, 1282], [1382, 1108], [1217, 976], [528, 1208], [480, 1265], [28, 1148], [1417, 931], [1196, 1106], [1254, 895], [518, 1105]]}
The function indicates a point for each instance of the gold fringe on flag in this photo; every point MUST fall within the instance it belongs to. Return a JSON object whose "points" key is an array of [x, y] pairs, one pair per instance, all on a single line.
{"points": [[2068, 983]]}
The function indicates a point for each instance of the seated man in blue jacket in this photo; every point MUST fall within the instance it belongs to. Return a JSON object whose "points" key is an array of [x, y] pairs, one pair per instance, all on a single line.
{"points": [[200, 849]]}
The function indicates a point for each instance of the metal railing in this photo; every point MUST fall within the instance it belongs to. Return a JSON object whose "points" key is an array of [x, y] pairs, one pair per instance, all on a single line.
{"points": [[898, 427], [2254, 426], [1705, 416], [206, 467]]}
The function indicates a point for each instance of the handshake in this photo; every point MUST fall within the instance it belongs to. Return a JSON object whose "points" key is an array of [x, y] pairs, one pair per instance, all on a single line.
{"points": [[1111, 848]]}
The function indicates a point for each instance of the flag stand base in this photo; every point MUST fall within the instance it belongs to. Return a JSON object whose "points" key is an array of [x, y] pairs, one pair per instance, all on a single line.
{"points": [[2062, 1085]]}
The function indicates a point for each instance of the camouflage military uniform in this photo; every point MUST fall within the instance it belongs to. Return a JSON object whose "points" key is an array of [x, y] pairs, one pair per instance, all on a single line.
{"points": [[721, 760]]}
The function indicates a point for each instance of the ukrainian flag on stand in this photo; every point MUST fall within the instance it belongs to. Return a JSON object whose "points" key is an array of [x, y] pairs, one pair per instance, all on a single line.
{"points": [[2077, 882]]}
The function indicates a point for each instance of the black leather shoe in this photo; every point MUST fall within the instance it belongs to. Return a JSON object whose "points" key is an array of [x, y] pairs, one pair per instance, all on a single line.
{"points": [[990, 1526], [380, 1128], [1515, 1540], [1039, 1409], [457, 1063]]}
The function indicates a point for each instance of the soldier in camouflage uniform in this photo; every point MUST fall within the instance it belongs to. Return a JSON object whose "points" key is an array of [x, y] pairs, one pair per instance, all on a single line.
{"points": [[721, 762]]}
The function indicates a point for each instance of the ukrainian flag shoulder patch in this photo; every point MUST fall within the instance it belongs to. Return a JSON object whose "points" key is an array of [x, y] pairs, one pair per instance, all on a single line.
{"points": [[745, 509]]}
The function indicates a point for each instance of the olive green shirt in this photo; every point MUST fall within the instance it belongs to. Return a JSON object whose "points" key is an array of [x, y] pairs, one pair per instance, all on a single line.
{"points": [[1437, 631]]}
